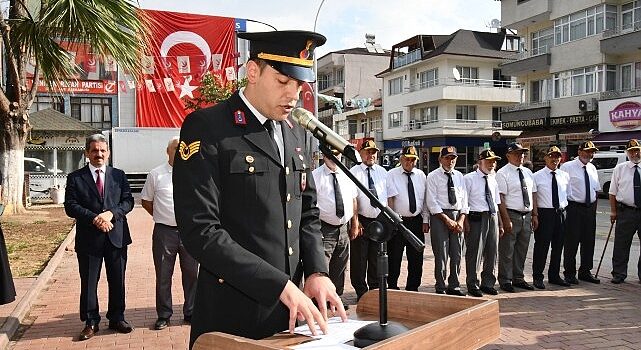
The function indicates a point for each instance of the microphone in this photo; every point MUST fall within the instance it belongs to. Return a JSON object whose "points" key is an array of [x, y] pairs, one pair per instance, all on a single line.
{"points": [[320, 131]]}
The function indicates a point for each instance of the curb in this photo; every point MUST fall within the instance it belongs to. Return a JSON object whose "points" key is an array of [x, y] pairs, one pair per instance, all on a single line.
{"points": [[11, 325]]}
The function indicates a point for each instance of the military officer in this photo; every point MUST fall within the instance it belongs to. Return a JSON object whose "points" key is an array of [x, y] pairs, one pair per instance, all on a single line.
{"points": [[245, 200], [625, 210], [446, 201]]}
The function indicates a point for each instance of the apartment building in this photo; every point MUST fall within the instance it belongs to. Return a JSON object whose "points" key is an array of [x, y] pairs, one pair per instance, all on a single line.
{"points": [[448, 90], [350, 75], [580, 66]]}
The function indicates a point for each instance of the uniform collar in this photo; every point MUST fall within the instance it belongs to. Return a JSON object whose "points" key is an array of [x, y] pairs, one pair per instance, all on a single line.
{"points": [[328, 171], [261, 118]]}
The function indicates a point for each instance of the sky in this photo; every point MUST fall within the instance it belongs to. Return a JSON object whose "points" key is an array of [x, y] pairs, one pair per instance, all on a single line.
{"points": [[345, 22]]}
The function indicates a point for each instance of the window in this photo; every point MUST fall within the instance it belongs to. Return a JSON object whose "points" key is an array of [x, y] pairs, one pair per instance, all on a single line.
{"points": [[611, 78], [496, 114], [376, 124], [45, 102], [584, 23], [395, 119], [631, 15], [542, 41], [92, 110], [428, 78], [364, 126], [466, 112], [426, 114], [541, 90], [342, 127], [469, 75], [626, 77], [587, 80], [324, 81], [395, 86], [340, 76]]}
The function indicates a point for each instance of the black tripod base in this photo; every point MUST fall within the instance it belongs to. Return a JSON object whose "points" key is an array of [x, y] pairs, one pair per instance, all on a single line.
{"points": [[375, 332]]}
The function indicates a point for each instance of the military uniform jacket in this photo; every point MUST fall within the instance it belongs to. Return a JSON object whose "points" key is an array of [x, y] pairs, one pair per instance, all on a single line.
{"points": [[249, 221]]}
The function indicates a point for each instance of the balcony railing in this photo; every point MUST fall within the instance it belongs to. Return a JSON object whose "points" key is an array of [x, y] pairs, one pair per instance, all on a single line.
{"points": [[611, 95], [622, 29], [410, 57], [465, 82], [536, 51], [524, 106], [451, 124]]}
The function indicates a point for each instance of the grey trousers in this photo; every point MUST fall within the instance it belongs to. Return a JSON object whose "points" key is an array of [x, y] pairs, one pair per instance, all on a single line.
{"points": [[628, 223], [166, 245], [513, 248], [446, 245], [336, 244], [481, 245]]}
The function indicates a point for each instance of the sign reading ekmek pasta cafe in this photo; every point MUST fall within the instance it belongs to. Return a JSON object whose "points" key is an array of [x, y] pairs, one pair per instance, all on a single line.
{"points": [[622, 114]]}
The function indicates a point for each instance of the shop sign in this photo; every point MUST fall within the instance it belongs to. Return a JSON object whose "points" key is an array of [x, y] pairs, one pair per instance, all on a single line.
{"points": [[415, 143], [520, 124], [626, 115], [574, 120]]}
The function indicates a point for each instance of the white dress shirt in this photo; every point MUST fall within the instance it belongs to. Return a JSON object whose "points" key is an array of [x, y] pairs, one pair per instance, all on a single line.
{"points": [[379, 176], [475, 186], [436, 199], [510, 185], [622, 183], [278, 132], [397, 188], [326, 200], [543, 179], [574, 168], [159, 189], [93, 169]]}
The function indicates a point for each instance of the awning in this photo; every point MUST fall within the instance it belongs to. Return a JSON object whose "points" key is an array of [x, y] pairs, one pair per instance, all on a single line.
{"points": [[536, 136], [617, 137]]}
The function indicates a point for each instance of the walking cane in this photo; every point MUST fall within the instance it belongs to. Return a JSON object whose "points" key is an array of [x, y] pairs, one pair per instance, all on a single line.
{"points": [[596, 275]]}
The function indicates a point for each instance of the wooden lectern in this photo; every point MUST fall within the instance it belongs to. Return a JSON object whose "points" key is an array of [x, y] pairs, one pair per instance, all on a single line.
{"points": [[435, 322]]}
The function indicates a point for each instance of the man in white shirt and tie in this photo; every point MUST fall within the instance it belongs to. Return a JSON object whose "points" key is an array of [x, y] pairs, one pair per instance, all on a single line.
{"points": [[581, 214], [551, 198], [482, 225], [406, 191], [446, 201], [625, 210], [519, 217], [336, 200]]}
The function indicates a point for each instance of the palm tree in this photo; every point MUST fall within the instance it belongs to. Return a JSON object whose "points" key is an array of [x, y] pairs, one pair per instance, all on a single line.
{"points": [[31, 30]]}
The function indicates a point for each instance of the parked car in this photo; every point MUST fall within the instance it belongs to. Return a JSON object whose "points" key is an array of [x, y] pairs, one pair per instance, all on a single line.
{"points": [[39, 185], [605, 163]]}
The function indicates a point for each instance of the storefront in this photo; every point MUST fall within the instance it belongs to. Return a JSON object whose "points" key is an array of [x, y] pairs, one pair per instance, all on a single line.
{"points": [[619, 121]]}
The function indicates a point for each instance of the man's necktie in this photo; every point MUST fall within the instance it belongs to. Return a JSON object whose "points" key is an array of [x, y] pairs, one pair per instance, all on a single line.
{"points": [[410, 192], [370, 184], [451, 192], [99, 185], [338, 198], [269, 125], [588, 198], [488, 197], [637, 187], [524, 191], [555, 192]]}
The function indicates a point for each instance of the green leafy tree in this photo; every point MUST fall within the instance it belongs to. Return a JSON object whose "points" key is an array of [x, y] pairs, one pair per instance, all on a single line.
{"points": [[31, 30], [213, 90]]}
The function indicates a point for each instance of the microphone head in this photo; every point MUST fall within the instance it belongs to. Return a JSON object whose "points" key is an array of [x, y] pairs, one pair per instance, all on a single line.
{"points": [[302, 116]]}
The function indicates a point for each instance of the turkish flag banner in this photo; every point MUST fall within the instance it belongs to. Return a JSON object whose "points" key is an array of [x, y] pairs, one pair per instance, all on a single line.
{"points": [[183, 48]]}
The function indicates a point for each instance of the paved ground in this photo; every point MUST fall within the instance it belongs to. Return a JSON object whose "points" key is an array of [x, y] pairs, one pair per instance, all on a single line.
{"points": [[587, 316]]}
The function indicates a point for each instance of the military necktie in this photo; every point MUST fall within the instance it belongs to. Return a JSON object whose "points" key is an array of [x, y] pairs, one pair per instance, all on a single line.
{"points": [[555, 192], [410, 192], [588, 197], [524, 190], [99, 185], [370, 184], [637, 187], [269, 125], [488, 197], [338, 198], [451, 192]]}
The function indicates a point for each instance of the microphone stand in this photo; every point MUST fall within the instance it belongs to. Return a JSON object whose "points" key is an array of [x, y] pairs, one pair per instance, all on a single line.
{"points": [[380, 231]]}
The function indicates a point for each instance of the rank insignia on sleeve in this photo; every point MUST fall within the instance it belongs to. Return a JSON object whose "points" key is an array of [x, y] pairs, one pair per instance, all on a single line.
{"points": [[239, 118], [186, 151]]}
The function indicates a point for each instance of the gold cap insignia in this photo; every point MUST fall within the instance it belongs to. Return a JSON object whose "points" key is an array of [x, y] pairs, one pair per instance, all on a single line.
{"points": [[187, 151]]}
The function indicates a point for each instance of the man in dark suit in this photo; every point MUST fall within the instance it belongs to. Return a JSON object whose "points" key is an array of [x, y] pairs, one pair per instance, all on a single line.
{"points": [[245, 200], [99, 198]]}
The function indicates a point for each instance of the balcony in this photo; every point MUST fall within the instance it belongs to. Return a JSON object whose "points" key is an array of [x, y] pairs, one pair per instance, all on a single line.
{"points": [[407, 58], [450, 127], [624, 39], [465, 89], [526, 106], [612, 95], [537, 59]]}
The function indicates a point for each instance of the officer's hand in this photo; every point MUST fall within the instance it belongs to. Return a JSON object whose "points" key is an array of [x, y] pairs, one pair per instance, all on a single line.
{"points": [[301, 307], [322, 289], [507, 226], [613, 217], [426, 227], [535, 222], [354, 231], [501, 232]]}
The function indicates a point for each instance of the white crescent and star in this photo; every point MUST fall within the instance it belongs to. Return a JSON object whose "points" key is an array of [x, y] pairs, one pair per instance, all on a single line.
{"points": [[185, 37], [186, 89]]}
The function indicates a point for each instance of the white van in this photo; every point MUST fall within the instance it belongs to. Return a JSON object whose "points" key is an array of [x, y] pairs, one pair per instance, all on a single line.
{"points": [[605, 163]]}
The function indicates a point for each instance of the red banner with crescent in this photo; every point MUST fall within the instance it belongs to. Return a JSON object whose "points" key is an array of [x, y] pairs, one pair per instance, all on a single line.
{"points": [[183, 48]]}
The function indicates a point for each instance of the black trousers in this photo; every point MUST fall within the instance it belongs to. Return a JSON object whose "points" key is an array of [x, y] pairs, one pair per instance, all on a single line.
{"points": [[363, 263], [551, 231], [580, 229], [89, 266], [395, 248]]}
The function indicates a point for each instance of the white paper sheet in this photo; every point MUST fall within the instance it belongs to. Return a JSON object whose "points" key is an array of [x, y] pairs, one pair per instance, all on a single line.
{"points": [[339, 333]]}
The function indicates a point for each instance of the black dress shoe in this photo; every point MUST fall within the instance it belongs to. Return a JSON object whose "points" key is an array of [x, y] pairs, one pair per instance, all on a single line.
{"points": [[573, 280], [121, 326], [161, 323], [589, 278], [440, 292], [88, 332], [456, 292], [508, 287], [538, 284], [558, 281], [489, 290], [475, 293], [523, 285], [617, 280]]}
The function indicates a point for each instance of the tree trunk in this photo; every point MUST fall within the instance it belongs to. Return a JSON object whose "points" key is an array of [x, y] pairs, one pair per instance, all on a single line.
{"points": [[12, 143]]}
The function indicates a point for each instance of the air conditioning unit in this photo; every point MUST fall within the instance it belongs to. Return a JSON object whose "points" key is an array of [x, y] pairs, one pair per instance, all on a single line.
{"points": [[583, 105]]}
